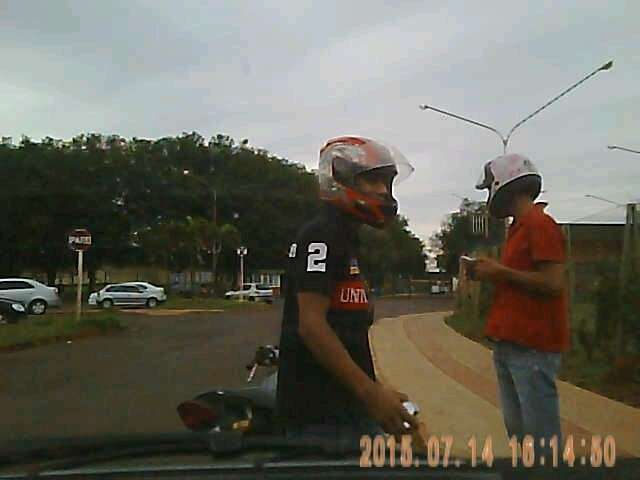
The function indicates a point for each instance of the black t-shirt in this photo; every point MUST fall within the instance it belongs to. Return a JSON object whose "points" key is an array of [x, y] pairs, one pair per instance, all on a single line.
{"points": [[323, 259]]}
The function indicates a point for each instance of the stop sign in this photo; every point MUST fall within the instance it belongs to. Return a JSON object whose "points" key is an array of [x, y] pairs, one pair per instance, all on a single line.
{"points": [[79, 239]]}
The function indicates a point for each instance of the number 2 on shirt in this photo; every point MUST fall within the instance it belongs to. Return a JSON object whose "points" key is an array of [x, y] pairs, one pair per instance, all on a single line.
{"points": [[317, 256]]}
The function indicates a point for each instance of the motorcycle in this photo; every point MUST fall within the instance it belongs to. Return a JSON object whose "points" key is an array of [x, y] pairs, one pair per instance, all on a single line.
{"points": [[248, 410]]}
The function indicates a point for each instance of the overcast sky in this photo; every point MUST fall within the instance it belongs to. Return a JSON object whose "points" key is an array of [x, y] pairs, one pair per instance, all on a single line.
{"points": [[290, 74]]}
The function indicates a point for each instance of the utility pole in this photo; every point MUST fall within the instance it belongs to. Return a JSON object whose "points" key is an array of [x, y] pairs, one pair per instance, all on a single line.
{"points": [[629, 264], [571, 271]]}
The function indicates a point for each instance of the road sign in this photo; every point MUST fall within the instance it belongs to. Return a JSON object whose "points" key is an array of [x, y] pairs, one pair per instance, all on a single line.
{"points": [[79, 240]]}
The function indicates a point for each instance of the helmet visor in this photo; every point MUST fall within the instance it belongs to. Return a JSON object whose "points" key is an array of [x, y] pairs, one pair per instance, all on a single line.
{"points": [[403, 167], [348, 160]]}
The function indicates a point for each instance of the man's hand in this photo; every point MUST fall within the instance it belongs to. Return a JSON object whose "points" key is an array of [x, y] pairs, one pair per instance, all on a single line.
{"points": [[385, 406], [487, 269], [548, 278]]}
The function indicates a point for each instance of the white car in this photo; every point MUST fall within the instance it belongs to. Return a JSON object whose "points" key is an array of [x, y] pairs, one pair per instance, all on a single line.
{"points": [[36, 296], [128, 294], [253, 292], [437, 289]]}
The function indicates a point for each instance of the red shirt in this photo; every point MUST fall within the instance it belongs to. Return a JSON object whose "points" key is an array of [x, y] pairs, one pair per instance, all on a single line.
{"points": [[517, 315]]}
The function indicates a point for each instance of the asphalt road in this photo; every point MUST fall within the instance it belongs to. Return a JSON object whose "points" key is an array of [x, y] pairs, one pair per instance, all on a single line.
{"points": [[131, 382]]}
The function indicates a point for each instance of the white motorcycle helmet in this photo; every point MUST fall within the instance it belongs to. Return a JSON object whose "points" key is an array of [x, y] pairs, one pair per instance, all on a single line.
{"points": [[505, 176]]}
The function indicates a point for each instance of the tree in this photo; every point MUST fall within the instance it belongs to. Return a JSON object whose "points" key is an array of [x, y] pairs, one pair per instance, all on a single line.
{"points": [[392, 253], [456, 236], [212, 238], [140, 207]]}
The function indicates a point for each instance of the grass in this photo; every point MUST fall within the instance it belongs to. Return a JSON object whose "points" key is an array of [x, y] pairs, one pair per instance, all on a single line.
{"points": [[41, 330], [466, 326], [204, 303], [597, 374]]}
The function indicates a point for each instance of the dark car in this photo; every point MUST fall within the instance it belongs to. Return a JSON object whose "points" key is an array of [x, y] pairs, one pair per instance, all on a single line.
{"points": [[11, 311]]}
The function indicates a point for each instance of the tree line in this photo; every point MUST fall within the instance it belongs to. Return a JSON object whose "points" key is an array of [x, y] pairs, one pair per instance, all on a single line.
{"points": [[457, 237], [182, 203]]}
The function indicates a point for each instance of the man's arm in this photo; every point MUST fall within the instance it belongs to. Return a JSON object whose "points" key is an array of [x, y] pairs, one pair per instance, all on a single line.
{"points": [[548, 279], [325, 345], [384, 404]]}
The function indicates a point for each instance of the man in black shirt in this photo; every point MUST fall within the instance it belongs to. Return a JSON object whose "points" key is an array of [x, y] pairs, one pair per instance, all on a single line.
{"points": [[326, 380]]}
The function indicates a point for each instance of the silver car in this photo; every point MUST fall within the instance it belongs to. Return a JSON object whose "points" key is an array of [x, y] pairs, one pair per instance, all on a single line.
{"points": [[36, 296], [254, 292], [130, 294]]}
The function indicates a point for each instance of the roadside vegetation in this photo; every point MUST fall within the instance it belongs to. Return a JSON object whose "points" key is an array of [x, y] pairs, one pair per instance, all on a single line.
{"points": [[52, 328], [592, 362], [181, 204]]}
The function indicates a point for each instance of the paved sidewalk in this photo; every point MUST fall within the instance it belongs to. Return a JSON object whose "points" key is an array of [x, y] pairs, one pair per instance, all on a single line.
{"points": [[453, 381]]}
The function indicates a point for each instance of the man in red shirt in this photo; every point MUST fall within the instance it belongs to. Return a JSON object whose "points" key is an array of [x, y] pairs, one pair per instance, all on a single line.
{"points": [[528, 319]]}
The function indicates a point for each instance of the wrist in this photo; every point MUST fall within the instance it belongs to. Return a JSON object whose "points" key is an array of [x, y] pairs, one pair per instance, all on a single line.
{"points": [[502, 274], [364, 390]]}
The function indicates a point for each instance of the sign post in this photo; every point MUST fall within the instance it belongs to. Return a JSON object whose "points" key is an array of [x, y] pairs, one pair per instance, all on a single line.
{"points": [[79, 241]]}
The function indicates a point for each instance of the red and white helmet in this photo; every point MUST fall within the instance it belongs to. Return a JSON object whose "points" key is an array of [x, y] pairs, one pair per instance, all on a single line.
{"points": [[342, 159], [505, 175]]}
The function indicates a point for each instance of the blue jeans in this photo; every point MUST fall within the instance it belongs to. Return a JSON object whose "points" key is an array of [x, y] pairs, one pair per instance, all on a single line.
{"points": [[528, 393]]}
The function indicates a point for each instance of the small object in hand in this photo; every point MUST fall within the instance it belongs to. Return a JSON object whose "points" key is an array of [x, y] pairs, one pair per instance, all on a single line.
{"points": [[469, 265], [419, 435], [412, 408]]}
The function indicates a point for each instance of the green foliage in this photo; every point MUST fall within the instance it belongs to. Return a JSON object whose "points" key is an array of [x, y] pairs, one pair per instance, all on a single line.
{"points": [[55, 328], [176, 202], [469, 320], [393, 252], [599, 307], [456, 236]]}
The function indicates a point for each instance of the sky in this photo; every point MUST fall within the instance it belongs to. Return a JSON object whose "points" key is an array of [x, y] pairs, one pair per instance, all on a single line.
{"points": [[290, 74]]}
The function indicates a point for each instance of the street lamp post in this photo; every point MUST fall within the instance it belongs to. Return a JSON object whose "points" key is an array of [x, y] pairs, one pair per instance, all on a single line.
{"points": [[241, 251], [604, 200], [625, 149], [216, 246], [505, 140]]}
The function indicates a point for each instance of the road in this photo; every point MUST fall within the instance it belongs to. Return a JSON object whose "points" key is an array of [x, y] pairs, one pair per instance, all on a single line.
{"points": [[131, 382]]}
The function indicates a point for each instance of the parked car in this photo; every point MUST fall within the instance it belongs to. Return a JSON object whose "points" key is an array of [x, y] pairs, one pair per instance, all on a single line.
{"points": [[128, 294], [439, 289], [36, 296], [146, 286], [253, 292], [11, 311]]}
